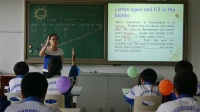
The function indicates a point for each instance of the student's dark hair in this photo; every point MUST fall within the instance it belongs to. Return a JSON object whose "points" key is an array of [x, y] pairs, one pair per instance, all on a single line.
{"points": [[34, 84], [148, 75], [53, 35], [185, 82], [183, 65], [21, 68], [54, 66]]}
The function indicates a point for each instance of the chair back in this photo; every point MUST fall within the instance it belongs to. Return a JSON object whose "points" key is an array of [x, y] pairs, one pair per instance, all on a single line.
{"points": [[197, 97], [54, 100], [14, 98], [147, 103]]}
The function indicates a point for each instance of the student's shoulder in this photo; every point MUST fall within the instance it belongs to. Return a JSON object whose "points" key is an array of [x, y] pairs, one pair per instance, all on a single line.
{"points": [[42, 109], [15, 80], [165, 106], [12, 107], [138, 87], [39, 107], [12, 81]]}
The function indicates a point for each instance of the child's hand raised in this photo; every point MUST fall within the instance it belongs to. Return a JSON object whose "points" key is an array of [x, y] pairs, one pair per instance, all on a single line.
{"points": [[73, 57], [73, 51]]}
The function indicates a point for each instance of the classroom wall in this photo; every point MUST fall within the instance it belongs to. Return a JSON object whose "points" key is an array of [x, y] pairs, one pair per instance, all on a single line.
{"points": [[12, 42]]}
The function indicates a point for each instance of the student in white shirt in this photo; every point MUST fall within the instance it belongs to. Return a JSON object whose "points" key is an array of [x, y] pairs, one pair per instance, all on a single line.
{"points": [[54, 72], [180, 66], [185, 87], [148, 78], [20, 69], [186, 65], [33, 88]]}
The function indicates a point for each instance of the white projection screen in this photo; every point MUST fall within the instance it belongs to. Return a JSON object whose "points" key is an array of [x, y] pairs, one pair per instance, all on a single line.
{"points": [[147, 32]]}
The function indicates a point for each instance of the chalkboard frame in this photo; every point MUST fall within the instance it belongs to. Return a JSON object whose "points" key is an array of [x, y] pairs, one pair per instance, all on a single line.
{"points": [[39, 60]]}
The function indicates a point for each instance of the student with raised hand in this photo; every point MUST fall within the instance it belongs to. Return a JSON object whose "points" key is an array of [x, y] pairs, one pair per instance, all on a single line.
{"points": [[74, 68], [74, 71], [33, 88], [49, 51], [185, 87], [148, 78], [20, 69], [54, 72]]}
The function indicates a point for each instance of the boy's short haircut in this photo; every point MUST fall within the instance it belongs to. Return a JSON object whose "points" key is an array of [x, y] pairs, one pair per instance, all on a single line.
{"points": [[21, 68], [185, 82], [148, 75], [183, 65], [34, 84]]}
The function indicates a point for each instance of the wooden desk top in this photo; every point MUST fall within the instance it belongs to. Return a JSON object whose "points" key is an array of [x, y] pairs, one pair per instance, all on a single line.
{"points": [[70, 109]]}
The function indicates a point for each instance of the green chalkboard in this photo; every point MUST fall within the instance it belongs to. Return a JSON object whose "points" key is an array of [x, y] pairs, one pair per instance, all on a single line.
{"points": [[78, 26]]}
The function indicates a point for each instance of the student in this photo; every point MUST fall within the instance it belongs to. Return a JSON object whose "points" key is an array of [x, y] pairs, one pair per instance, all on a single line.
{"points": [[180, 66], [148, 78], [183, 65], [185, 87], [48, 51], [20, 69], [74, 71], [33, 88], [4, 103], [54, 72]]}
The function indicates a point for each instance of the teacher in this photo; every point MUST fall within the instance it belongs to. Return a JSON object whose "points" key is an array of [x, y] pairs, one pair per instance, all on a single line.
{"points": [[49, 51]]}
